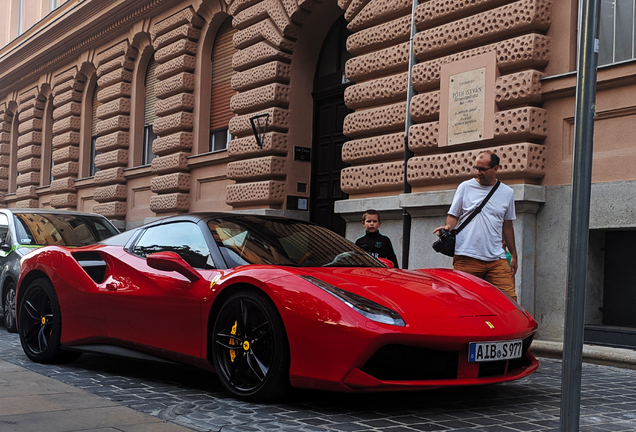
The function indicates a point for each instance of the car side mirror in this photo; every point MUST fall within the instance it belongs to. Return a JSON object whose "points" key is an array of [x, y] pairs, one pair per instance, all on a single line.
{"points": [[386, 262], [171, 261]]}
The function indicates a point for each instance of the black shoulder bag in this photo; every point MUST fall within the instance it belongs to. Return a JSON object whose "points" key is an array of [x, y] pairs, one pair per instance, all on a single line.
{"points": [[446, 242]]}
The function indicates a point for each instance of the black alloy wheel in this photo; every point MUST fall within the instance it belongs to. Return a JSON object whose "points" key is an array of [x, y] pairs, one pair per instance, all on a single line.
{"points": [[40, 324], [9, 307], [250, 350]]}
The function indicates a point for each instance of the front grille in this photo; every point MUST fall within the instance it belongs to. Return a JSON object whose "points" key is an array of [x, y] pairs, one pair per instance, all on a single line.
{"points": [[408, 363]]}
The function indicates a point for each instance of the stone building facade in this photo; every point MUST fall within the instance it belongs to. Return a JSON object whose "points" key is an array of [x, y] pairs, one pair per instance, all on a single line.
{"points": [[137, 109]]}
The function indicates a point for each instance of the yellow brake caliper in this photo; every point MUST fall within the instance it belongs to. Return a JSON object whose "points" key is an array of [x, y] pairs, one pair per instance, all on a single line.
{"points": [[233, 352]]}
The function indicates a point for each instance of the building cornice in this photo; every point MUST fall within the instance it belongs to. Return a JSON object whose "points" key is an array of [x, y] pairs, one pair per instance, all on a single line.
{"points": [[84, 26]]}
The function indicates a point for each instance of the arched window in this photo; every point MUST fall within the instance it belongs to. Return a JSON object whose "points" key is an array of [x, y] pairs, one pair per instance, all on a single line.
{"points": [[220, 113], [46, 177], [13, 158], [94, 120], [150, 100]]}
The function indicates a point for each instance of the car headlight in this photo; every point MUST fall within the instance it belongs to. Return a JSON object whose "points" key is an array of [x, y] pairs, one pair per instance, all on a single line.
{"points": [[367, 308]]}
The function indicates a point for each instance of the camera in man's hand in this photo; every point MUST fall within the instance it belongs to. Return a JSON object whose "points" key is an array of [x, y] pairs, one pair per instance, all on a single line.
{"points": [[446, 243]]}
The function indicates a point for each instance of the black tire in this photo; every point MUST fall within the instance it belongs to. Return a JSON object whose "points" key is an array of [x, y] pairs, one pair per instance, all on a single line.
{"points": [[9, 307], [258, 368], [40, 324]]}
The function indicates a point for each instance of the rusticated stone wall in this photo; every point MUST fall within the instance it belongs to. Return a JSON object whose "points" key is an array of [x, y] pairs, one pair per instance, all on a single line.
{"points": [[30, 113], [6, 119], [266, 37], [175, 42], [448, 31]]}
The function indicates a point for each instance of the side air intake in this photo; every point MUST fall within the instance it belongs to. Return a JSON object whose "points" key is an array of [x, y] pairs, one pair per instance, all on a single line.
{"points": [[93, 265]]}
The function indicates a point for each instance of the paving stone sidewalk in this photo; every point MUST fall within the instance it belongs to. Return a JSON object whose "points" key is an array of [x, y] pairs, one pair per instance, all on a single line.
{"points": [[196, 400]]}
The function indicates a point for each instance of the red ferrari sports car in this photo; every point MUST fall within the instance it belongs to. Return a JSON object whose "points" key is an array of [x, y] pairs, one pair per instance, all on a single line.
{"points": [[269, 303]]}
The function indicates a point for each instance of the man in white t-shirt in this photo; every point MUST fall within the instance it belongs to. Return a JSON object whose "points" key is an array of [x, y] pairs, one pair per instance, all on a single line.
{"points": [[478, 248]]}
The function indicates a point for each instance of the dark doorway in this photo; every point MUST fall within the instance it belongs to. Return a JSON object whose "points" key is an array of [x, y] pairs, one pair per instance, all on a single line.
{"points": [[619, 293], [619, 288], [329, 113]]}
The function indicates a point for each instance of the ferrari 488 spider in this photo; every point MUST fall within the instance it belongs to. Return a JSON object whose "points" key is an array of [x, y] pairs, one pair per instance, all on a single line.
{"points": [[269, 303]]}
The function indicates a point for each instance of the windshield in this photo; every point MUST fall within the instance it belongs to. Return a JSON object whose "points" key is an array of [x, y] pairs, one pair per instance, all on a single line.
{"points": [[41, 229], [254, 240]]}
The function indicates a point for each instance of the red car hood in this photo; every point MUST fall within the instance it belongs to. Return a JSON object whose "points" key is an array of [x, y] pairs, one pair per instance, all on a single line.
{"points": [[433, 292]]}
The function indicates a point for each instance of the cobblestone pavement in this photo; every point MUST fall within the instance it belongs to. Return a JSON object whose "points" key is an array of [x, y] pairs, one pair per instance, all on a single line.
{"points": [[196, 400]]}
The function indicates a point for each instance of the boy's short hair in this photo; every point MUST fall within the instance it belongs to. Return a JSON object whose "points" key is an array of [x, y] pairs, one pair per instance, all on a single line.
{"points": [[371, 212]]}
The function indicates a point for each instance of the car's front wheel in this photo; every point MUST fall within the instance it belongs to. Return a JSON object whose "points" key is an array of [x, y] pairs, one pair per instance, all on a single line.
{"points": [[250, 350], [40, 324], [9, 307]]}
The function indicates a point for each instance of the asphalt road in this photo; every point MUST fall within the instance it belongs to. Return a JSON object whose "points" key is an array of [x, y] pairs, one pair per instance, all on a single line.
{"points": [[196, 400]]}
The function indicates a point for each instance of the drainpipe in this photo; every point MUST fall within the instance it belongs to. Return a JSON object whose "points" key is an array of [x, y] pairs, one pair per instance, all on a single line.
{"points": [[406, 217]]}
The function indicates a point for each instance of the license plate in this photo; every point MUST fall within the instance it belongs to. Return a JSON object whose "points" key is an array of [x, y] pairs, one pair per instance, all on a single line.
{"points": [[493, 351]]}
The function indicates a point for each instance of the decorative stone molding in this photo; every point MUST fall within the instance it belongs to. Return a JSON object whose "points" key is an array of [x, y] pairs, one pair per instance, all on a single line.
{"points": [[262, 97], [278, 121], [378, 12], [175, 143], [168, 203], [268, 192], [383, 62], [372, 178], [515, 18], [377, 92], [523, 159], [268, 73], [433, 12], [374, 149], [106, 194], [256, 169], [272, 9], [263, 31], [531, 50], [170, 183], [380, 36], [273, 143], [375, 121], [112, 210], [256, 55]]}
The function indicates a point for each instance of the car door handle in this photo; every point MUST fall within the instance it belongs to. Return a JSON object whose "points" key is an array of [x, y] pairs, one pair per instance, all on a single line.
{"points": [[111, 286]]}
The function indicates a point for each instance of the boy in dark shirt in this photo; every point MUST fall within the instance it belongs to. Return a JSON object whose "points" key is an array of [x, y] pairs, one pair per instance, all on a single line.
{"points": [[373, 242]]}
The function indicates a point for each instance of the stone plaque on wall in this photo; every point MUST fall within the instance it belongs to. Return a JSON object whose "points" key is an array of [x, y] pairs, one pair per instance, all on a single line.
{"points": [[467, 100]]}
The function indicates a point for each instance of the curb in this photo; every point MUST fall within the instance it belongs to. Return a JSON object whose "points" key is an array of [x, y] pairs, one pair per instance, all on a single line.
{"points": [[619, 357]]}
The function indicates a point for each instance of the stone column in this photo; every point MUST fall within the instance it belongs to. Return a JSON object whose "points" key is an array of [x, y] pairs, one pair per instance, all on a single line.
{"points": [[30, 112], [175, 40], [114, 72], [6, 118]]}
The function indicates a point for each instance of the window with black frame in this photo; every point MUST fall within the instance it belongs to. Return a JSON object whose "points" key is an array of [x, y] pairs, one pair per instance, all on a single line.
{"points": [[617, 33], [149, 113], [182, 238], [222, 91]]}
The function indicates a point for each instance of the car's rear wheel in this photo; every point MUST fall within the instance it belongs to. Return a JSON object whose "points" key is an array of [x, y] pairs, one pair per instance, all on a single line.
{"points": [[9, 307], [40, 324], [250, 348]]}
